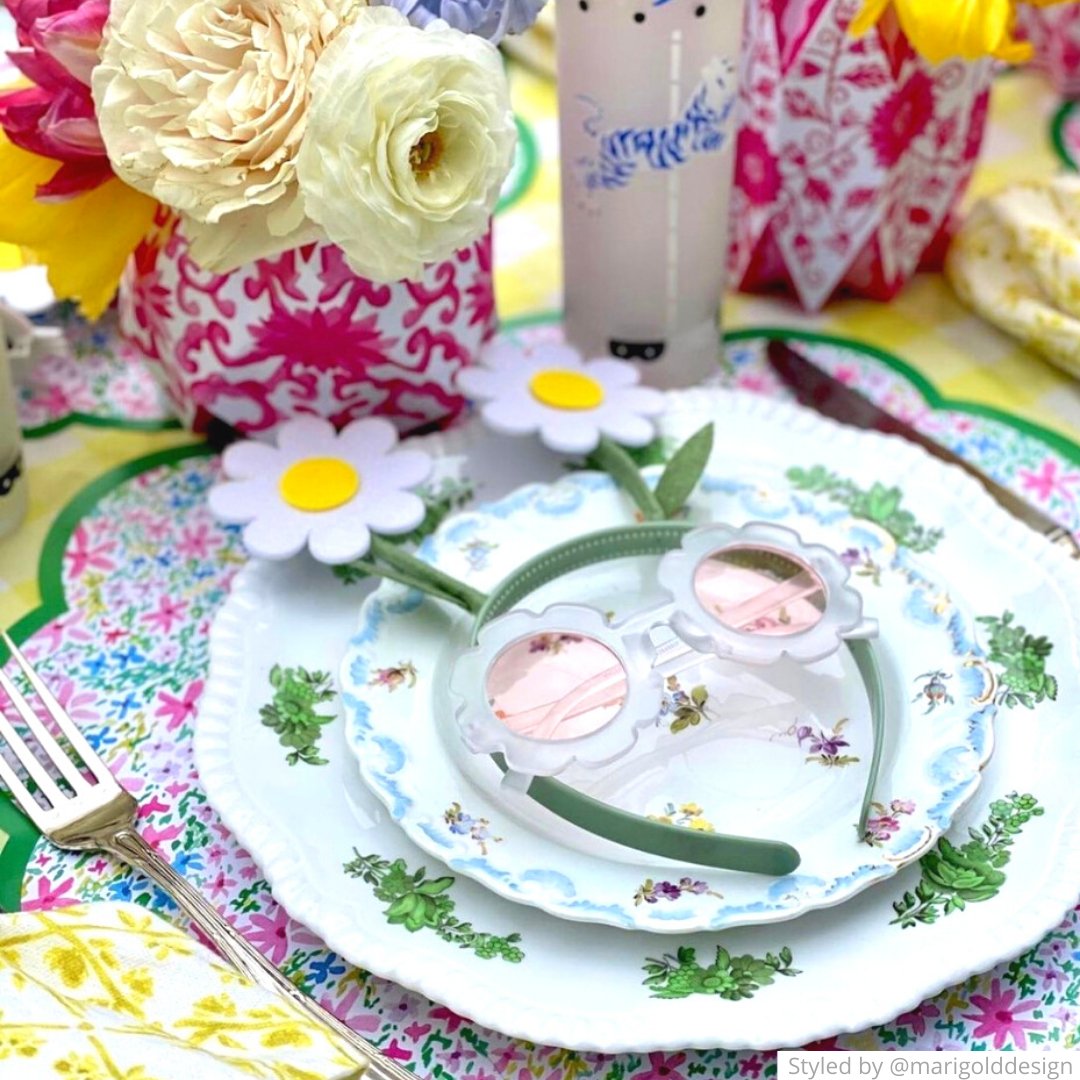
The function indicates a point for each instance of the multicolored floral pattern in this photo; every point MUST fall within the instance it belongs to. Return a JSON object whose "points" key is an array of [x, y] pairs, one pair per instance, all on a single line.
{"points": [[1036, 469], [96, 376], [652, 892], [144, 572], [476, 829]]}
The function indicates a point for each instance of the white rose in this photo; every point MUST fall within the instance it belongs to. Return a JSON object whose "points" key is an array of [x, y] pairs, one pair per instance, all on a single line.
{"points": [[203, 105], [410, 137]]}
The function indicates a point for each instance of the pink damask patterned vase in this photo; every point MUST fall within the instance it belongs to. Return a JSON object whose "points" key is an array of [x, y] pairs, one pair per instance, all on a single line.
{"points": [[301, 333], [851, 156]]}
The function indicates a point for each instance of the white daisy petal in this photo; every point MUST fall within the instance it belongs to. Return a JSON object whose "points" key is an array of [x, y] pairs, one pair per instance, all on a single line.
{"points": [[612, 373], [513, 415], [479, 383], [246, 459], [239, 501], [500, 356], [643, 400], [279, 532], [402, 469], [339, 539], [557, 356], [569, 433], [366, 438], [395, 512], [304, 437], [627, 429]]}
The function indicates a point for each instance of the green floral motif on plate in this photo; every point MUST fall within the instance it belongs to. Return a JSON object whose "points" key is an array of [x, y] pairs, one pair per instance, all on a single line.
{"points": [[878, 504], [418, 902], [734, 978], [293, 711], [1022, 657], [953, 877]]}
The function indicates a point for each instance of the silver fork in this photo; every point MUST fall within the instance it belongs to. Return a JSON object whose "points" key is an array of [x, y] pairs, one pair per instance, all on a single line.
{"points": [[100, 816]]}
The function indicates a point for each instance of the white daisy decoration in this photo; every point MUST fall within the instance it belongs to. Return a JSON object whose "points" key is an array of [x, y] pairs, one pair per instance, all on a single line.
{"points": [[320, 488], [572, 403]]}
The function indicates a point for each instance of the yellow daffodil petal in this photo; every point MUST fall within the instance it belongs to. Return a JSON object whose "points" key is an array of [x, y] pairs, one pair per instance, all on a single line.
{"points": [[869, 16], [11, 257], [942, 30], [85, 241]]}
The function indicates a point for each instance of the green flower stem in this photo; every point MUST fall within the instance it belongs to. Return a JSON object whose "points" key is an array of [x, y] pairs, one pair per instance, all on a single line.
{"points": [[412, 571], [613, 459]]}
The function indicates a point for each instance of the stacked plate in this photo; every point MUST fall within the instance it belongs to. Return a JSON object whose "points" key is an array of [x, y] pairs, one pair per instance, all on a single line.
{"points": [[409, 859]]}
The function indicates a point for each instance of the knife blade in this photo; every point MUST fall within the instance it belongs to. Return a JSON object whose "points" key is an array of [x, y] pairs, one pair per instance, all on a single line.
{"points": [[818, 390]]}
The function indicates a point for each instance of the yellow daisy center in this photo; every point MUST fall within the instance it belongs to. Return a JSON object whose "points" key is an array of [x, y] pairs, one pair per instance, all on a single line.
{"points": [[559, 388], [319, 483]]}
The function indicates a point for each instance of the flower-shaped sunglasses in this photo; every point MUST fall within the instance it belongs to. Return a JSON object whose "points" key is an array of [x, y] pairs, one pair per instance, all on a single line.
{"points": [[543, 691]]}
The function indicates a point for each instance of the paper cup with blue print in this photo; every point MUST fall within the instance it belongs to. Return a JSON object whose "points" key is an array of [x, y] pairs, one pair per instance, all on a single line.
{"points": [[647, 100]]}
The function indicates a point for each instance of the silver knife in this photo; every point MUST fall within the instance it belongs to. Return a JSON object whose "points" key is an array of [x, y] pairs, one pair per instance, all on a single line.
{"points": [[830, 397]]}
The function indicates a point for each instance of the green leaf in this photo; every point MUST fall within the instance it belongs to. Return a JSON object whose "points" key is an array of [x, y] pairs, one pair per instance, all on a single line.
{"points": [[684, 470], [433, 888], [699, 695]]}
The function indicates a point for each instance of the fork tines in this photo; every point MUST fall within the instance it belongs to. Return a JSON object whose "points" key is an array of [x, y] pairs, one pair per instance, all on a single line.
{"points": [[34, 767]]}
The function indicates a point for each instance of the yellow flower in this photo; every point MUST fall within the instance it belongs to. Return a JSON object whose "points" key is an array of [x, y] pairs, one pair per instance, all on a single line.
{"points": [[84, 242], [944, 29]]}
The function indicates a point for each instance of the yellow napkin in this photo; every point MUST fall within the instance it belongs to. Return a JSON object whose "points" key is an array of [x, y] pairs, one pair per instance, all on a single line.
{"points": [[1016, 261], [111, 992]]}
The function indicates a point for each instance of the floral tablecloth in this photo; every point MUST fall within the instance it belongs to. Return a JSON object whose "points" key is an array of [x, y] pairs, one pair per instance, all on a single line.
{"points": [[113, 583]]}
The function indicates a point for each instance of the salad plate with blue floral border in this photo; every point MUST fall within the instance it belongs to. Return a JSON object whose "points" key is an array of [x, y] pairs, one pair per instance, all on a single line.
{"points": [[780, 753]]}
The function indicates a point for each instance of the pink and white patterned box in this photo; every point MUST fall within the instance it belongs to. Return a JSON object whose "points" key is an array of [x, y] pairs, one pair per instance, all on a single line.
{"points": [[1055, 33], [851, 156], [301, 333]]}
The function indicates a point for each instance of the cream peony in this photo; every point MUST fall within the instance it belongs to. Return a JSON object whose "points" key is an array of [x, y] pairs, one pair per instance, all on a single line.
{"points": [[203, 104], [410, 137]]}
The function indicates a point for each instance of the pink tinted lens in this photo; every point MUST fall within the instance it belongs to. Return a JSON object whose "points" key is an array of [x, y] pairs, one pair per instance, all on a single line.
{"points": [[556, 686], [760, 591]]}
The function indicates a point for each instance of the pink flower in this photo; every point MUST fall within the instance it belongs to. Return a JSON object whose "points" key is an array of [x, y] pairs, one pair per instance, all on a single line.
{"points": [[757, 172], [179, 709], [83, 555], [1048, 481], [55, 118], [168, 612], [663, 1068], [196, 542], [916, 1019], [48, 897], [901, 118], [999, 1017], [270, 935]]}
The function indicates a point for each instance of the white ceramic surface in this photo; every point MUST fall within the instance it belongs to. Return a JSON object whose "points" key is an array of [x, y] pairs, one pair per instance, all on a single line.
{"points": [[752, 763], [582, 986]]}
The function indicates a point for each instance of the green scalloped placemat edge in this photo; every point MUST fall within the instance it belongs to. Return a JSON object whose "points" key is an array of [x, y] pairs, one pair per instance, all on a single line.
{"points": [[114, 423], [529, 149], [1057, 133], [22, 836], [1057, 441]]}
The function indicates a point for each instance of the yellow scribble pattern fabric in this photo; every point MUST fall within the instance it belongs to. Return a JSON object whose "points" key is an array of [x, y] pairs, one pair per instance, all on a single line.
{"points": [[111, 992], [1016, 261]]}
